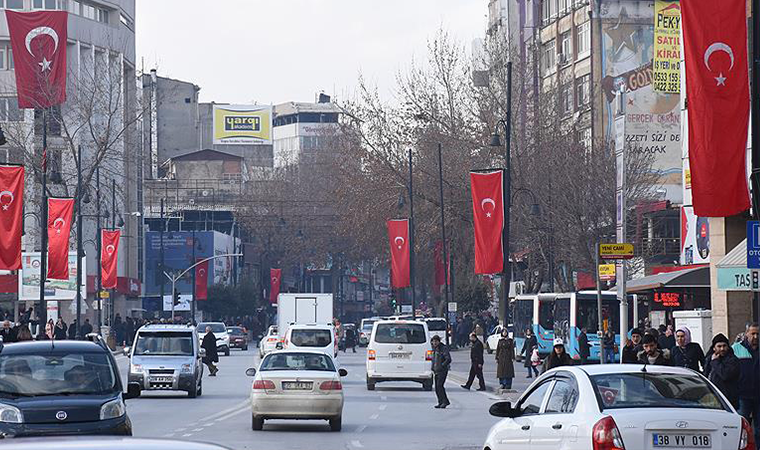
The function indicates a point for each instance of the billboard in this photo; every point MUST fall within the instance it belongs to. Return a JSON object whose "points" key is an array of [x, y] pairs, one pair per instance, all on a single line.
{"points": [[667, 46], [29, 279], [242, 124]]}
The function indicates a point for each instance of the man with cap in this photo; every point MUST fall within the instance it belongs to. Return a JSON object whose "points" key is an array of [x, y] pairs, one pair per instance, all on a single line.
{"points": [[722, 367], [651, 354], [558, 357], [632, 347], [441, 364]]}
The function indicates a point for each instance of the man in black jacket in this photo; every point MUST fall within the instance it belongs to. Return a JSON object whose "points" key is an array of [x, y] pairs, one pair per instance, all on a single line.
{"points": [[476, 363], [441, 364], [584, 350], [652, 354], [722, 367], [209, 344], [632, 347]]}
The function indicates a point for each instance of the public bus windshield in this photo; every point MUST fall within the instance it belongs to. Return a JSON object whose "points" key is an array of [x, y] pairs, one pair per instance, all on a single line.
{"points": [[522, 316], [587, 314]]}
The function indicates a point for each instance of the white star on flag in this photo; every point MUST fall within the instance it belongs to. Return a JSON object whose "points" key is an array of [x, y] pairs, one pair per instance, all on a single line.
{"points": [[488, 214], [720, 80], [45, 64]]}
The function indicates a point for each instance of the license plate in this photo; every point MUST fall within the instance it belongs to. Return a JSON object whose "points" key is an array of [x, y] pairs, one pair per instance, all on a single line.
{"points": [[400, 355], [681, 440], [161, 379], [296, 386]]}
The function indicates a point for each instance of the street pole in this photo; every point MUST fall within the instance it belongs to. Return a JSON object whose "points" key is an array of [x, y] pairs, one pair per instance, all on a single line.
{"points": [[100, 247], [507, 197], [79, 243], [756, 126], [42, 307], [112, 312], [445, 255], [411, 239], [598, 300], [161, 252], [192, 304]]}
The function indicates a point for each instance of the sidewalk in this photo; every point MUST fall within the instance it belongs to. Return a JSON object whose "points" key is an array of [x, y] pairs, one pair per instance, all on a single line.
{"points": [[460, 370]]}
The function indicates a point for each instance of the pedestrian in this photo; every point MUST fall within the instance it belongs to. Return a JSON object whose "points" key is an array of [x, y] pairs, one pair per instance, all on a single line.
{"points": [[505, 356], [129, 330], [49, 333], [72, 331], [530, 343], [8, 333], [632, 347], [686, 353], [584, 350], [651, 353], [350, 339], [608, 347], [749, 382], [558, 357], [86, 327], [23, 333], [209, 344], [666, 339], [118, 329], [476, 364], [441, 364], [535, 361], [60, 330], [723, 368]]}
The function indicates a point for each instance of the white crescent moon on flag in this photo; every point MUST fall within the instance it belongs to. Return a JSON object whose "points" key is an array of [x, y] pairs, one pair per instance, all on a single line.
{"points": [[274, 280], [486, 201], [39, 31], [718, 47], [202, 272], [57, 221], [110, 248], [7, 193], [399, 238]]}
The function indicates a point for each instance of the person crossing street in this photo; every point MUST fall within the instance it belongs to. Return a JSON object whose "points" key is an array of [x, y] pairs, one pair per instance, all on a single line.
{"points": [[441, 364], [209, 344], [476, 363]]}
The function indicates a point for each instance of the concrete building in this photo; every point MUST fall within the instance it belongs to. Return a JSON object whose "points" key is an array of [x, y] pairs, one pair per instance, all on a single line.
{"points": [[302, 130]]}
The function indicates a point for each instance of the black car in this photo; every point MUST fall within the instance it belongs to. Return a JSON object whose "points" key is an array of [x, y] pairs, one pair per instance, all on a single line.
{"points": [[61, 388]]}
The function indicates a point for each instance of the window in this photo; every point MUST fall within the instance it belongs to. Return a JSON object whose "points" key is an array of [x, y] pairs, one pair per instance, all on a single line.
{"points": [[548, 11], [311, 338], [565, 6], [13, 4], [391, 333], [53, 374], [164, 343], [297, 361], [566, 48], [215, 328], [75, 7], [655, 390], [49, 4], [11, 64], [546, 314], [582, 91], [532, 403], [2, 58], [566, 99], [9, 110], [548, 57], [584, 39], [563, 398], [584, 138]]}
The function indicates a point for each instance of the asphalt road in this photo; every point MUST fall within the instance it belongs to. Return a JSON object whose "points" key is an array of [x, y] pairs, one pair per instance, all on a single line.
{"points": [[395, 416]]}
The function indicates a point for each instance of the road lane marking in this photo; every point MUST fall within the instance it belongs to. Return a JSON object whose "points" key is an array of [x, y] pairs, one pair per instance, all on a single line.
{"points": [[383, 397], [233, 413], [228, 410], [382, 407], [361, 428], [208, 424], [197, 429], [357, 444], [187, 435], [374, 416], [169, 435]]}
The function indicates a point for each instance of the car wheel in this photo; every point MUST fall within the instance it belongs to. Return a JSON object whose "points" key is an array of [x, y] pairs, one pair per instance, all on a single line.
{"points": [[200, 388], [257, 423], [193, 392], [245, 349], [427, 385], [370, 384], [227, 351], [336, 423]]}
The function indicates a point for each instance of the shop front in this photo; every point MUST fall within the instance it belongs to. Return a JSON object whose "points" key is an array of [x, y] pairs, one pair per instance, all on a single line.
{"points": [[663, 293]]}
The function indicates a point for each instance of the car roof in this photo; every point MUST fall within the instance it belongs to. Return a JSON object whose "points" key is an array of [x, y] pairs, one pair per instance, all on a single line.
{"points": [[111, 443], [291, 350], [51, 347], [602, 369], [434, 318], [211, 323], [167, 327], [401, 321], [310, 326]]}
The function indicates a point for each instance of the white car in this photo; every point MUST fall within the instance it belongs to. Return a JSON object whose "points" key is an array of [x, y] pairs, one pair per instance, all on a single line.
{"points": [[399, 350], [220, 333], [493, 339], [619, 406], [296, 384], [311, 337], [268, 343], [437, 326]]}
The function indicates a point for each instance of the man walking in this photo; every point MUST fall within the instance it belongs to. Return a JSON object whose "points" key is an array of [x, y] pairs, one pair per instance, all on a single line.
{"points": [[651, 354], [476, 363], [209, 344], [441, 364], [723, 368], [632, 347], [749, 382], [584, 350]]}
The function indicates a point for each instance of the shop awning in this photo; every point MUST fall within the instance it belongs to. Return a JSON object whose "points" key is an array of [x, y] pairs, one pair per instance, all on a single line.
{"points": [[698, 277], [733, 274], [735, 258]]}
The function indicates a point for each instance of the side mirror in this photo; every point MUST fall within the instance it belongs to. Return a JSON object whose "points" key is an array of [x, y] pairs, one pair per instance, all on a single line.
{"points": [[133, 391], [279, 346], [251, 372], [127, 351], [342, 372], [503, 409]]}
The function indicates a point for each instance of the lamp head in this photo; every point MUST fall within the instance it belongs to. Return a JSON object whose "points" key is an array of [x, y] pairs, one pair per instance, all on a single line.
{"points": [[495, 140]]}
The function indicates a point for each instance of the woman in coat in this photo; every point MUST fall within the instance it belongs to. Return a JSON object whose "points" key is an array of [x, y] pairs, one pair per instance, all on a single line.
{"points": [[505, 356], [60, 330], [527, 349]]}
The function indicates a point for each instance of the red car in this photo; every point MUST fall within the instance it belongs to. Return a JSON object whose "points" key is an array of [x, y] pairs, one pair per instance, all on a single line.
{"points": [[238, 338]]}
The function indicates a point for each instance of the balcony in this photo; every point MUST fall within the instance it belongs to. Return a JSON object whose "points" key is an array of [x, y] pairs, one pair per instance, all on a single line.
{"points": [[193, 195]]}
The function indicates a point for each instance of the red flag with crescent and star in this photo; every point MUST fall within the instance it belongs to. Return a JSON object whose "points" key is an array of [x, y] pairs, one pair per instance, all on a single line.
{"points": [[398, 238], [717, 89], [488, 218], [201, 280], [109, 256], [275, 277], [11, 216], [60, 211], [39, 40]]}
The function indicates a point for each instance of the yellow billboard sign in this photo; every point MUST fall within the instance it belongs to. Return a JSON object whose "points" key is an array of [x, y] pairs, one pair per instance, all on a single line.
{"points": [[616, 251], [606, 272], [242, 124], [666, 65]]}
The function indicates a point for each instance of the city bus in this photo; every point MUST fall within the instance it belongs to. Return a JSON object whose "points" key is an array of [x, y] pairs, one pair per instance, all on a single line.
{"points": [[534, 312]]}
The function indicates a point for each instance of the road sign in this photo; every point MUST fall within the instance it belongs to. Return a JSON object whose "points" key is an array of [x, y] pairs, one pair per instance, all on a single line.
{"points": [[105, 294], [753, 244], [606, 272], [452, 307], [616, 251]]}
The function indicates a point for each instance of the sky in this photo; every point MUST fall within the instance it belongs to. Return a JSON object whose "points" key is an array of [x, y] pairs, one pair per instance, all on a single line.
{"points": [[274, 51]]}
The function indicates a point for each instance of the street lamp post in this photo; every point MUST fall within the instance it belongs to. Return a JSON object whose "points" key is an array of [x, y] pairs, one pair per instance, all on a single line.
{"points": [[174, 279], [411, 239], [444, 244]]}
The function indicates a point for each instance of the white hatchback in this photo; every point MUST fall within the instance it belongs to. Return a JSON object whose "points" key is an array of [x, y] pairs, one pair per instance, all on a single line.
{"points": [[399, 350], [297, 385], [311, 337], [268, 343], [618, 407]]}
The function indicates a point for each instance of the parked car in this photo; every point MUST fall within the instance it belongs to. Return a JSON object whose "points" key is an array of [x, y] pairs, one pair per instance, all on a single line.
{"points": [[268, 343], [619, 406], [399, 350], [238, 338], [220, 332], [166, 358]]}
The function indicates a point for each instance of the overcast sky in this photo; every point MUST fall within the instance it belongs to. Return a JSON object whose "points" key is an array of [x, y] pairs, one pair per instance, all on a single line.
{"points": [[272, 51]]}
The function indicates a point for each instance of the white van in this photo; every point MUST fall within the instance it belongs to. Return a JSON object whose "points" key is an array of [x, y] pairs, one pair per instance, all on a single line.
{"points": [[399, 350], [311, 337]]}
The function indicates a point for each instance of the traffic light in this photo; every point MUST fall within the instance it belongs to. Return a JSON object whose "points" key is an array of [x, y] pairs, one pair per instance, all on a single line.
{"points": [[176, 297]]}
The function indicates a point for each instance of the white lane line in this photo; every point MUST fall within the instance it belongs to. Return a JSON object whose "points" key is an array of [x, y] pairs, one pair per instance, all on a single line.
{"points": [[187, 435], [357, 444], [208, 424], [233, 413], [382, 407], [383, 397], [361, 428], [197, 429], [374, 416], [228, 410]]}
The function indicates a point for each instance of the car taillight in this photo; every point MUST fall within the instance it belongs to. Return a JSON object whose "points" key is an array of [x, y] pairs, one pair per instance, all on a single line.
{"points": [[371, 355], [606, 435], [272, 340], [260, 385], [429, 355], [331, 386], [747, 439]]}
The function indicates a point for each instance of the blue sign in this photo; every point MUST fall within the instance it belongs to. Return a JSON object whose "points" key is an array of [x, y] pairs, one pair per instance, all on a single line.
{"points": [[178, 255], [753, 244]]}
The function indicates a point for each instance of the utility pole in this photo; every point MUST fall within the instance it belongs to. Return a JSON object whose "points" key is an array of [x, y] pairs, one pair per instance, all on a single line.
{"points": [[444, 244], [192, 304], [161, 251], [100, 249], [598, 300], [411, 239], [80, 251], [42, 307], [112, 313], [755, 86]]}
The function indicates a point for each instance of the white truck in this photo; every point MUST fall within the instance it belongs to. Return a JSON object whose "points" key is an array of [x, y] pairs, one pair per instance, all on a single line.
{"points": [[303, 309]]}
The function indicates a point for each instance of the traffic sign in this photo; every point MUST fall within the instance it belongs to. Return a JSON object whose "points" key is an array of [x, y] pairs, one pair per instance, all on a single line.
{"points": [[753, 244], [606, 272], [452, 307], [616, 251], [105, 294]]}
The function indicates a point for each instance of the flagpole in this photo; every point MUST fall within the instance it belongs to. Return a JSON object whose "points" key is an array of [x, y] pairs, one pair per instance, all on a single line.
{"points": [[112, 312], [411, 238], [100, 249], [755, 86], [42, 307], [79, 243], [445, 255]]}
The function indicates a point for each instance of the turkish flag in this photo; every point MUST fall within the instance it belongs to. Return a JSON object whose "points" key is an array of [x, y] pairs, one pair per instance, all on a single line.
{"points": [[398, 238], [717, 88], [488, 218], [60, 211], [39, 40], [11, 216], [275, 277], [109, 257], [201, 281]]}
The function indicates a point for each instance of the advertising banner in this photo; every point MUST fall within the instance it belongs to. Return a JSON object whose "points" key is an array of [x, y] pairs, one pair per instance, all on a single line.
{"points": [[29, 280], [695, 237], [242, 124], [667, 46]]}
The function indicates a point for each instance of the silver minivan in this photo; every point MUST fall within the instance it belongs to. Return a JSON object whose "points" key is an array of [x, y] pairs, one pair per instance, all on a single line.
{"points": [[166, 358]]}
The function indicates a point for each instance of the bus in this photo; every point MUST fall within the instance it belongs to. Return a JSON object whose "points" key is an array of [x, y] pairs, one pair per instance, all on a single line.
{"points": [[534, 312], [574, 311]]}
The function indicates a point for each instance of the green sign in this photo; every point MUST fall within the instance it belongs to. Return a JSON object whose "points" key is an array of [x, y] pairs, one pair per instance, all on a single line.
{"points": [[734, 279]]}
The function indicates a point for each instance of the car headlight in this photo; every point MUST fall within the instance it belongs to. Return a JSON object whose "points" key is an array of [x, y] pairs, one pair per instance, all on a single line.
{"points": [[112, 410], [186, 368], [136, 368], [10, 414]]}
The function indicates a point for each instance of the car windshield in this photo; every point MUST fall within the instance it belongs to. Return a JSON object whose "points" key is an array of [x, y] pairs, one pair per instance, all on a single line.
{"points": [[236, 331], [64, 374], [311, 338], [215, 327], [436, 325], [164, 343], [655, 390], [297, 361], [398, 333]]}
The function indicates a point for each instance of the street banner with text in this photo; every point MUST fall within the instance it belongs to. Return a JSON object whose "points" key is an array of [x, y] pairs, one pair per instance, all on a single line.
{"points": [[11, 216], [667, 46], [488, 218], [275, 278], [717, 86], [398, 239], [201, 281], [109, 257], [60, 212]]}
